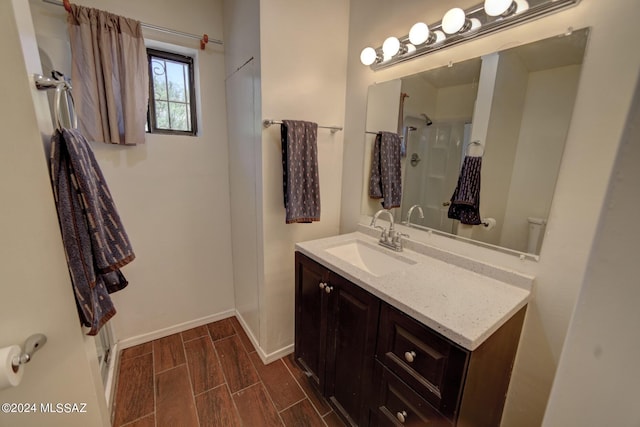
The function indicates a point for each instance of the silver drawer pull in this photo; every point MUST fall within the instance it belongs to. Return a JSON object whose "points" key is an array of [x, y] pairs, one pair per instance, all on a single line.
{"points": [[322, 285], [328, 289], [401, 416], [410, 356]]}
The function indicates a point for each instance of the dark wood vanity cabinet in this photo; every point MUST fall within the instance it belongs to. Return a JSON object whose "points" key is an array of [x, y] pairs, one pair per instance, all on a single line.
{"points": [[336, 324], [380, 367]]}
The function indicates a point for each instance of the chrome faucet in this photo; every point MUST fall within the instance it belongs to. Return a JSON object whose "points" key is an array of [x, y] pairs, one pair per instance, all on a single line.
{"points": [[389, 238], [411, 212]]}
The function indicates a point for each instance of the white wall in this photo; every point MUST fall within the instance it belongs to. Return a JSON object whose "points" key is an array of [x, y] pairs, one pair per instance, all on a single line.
{"points": [[298, 72], [501, 143], [36, 289], [456, 102], [423, 97], [172, 192], [595, 132], [597, 379], [303, 51], [550, 96]]}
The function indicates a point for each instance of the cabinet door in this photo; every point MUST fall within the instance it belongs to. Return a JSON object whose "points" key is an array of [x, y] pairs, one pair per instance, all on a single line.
{"points": [[353, 318], [311, 325]]}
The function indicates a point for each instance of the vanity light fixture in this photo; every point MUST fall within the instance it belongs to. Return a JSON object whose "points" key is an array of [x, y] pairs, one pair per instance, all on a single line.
{"points": [[459, 25]]}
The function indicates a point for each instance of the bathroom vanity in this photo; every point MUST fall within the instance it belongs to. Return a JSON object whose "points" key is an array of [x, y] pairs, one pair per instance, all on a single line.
{"points": [[405, 338]]}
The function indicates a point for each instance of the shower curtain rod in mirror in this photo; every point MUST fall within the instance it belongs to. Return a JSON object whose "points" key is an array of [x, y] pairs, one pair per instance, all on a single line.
{"points": [[204, 39]]}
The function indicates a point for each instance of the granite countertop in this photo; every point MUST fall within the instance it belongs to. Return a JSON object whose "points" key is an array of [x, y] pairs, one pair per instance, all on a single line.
{"points": [[459, 303]]}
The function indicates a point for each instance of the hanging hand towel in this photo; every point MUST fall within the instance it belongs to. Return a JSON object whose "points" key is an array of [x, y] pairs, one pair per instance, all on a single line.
{"points": [[465, 201], [301, 184], [385, 181], [94, 239]]}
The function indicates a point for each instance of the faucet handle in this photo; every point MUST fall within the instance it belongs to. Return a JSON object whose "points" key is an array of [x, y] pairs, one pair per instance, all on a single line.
{"points": [[398, 236], [383, 236]]}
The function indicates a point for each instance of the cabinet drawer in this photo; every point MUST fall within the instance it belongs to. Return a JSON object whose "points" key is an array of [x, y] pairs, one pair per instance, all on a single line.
{"points": [[396, 404], [426, 361]]}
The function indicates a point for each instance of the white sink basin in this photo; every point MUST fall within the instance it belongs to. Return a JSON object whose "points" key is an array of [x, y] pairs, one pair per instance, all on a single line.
{"points": [[375, 260]]}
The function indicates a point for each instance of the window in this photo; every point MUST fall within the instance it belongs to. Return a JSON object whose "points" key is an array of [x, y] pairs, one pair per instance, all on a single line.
{"points": [[171, 94]]}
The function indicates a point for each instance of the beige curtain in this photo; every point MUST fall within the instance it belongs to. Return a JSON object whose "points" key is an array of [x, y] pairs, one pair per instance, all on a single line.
{"points": [[109, 75]]}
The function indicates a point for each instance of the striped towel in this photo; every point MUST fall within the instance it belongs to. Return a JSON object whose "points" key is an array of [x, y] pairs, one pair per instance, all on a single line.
{"points": [[94, 239], [465, 201], [385, 180]]}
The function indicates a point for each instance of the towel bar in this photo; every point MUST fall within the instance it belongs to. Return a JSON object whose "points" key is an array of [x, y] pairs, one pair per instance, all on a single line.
{"points": [[268, 122]]}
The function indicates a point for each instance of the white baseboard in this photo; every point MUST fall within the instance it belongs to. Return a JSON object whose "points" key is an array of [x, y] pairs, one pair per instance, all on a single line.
{"points": [[165, 332], [265, 357], [273, 356], [161, 333]]}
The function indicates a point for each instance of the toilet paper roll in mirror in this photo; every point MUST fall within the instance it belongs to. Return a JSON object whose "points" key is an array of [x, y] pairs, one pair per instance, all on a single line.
{"points": [[10, 376], [489, 223]]}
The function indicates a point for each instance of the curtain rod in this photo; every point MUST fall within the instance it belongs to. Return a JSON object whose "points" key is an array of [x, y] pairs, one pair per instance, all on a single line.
{"points": [[204, 39], [267, 123]]}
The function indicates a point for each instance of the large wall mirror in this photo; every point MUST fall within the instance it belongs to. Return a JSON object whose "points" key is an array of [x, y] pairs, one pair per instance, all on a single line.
{"points": [[516, 103]]}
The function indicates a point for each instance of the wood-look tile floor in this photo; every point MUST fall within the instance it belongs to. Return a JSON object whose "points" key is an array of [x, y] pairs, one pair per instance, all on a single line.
{"points": [[212, 376]]}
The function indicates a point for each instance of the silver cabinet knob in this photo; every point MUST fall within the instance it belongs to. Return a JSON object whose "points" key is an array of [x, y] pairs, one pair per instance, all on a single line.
{"points": [[401, 416], [410, 356], [328, 289], [322, 285]]}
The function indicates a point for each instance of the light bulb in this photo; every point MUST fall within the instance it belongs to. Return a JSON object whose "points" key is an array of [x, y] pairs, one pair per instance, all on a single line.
{"points": [[497, 7], [410, 48], [475, 24], [419, 33], [439, 36], [368, 56], [453, 21], [523, 5], [391, 46]]}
